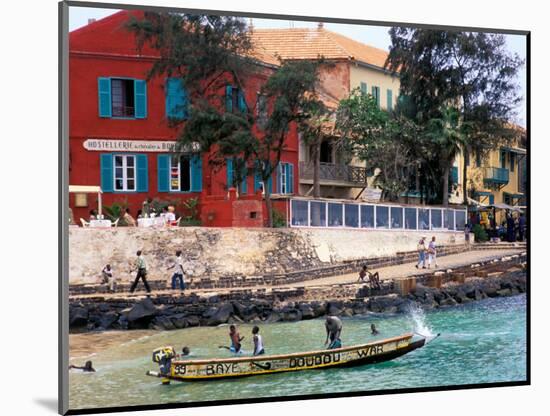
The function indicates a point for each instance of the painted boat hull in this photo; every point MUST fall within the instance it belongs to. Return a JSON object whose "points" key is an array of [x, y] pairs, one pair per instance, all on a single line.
{"points": [[215, 369]]}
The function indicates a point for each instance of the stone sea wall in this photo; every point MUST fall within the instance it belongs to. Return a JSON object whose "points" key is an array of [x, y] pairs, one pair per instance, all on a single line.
{"points": [[291, 304], [218, 252]]}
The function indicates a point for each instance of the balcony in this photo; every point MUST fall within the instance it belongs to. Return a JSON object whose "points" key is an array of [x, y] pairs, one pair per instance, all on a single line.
{"points": [[333, 174], [495, 176]]}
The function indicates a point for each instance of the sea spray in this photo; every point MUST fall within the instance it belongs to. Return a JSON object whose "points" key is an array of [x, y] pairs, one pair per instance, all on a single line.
{"points": [[419, 319]]}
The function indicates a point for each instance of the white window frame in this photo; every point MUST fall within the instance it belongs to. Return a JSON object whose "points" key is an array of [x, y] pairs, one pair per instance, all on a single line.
{"points": [[125, 178], [282, 178], [179, 175]]}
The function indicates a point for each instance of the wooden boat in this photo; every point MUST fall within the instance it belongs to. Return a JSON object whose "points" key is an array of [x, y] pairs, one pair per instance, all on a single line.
{"points": [[214, 369]]}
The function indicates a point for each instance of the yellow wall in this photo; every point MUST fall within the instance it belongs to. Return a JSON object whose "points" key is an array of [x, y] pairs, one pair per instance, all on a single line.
{"points": [[376, 78]]}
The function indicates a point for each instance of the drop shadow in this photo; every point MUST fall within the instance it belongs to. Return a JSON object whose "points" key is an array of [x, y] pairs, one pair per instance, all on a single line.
{"points": [[47, 403]]}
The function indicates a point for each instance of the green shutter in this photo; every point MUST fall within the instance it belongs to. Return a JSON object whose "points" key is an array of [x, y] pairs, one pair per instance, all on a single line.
{"points": [[363, 87], [142, 174], [196, 173], [177, 101], [241, 101], [376, 94], [257, 180], [229, 98], [104, 97], [229, 172], [163, 162], [106, 168], [389, 100], [140, 98], [289, 178]]}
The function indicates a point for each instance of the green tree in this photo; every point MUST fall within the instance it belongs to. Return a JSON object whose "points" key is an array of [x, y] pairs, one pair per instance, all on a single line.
{"points": [[469, 70], [209, 52], [447, 135]]}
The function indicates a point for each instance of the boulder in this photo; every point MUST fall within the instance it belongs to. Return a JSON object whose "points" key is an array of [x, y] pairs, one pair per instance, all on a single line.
{"points": [[78, 316], [221, 315], [143, 310], [179, 321], [307, 311], [335, 307], [192, 320], [291, 315], [504, 292], [106, 320], [163, 323], [447, 302]]}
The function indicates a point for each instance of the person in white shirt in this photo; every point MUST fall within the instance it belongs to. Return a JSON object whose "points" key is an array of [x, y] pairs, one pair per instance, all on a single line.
{"points": [[177, 277], [432, 253], [258, 344]]}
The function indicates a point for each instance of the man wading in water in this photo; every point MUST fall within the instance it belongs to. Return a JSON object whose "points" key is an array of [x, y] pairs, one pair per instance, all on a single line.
{"points": [[333, 325]]}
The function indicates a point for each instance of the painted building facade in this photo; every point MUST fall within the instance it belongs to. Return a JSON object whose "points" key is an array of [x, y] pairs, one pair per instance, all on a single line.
{"points": [[120, 138], [350, 65]]}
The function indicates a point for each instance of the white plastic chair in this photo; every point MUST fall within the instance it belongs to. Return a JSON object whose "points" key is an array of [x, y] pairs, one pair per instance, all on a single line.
{"points": [[115, 223], [85, 223]]}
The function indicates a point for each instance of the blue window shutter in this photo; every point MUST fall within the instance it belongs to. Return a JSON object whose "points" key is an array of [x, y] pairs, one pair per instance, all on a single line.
{"points": [[272, 183], [229, 172], [104, 97], [176, 99], [280, 170], [389, 103], [229, 98], [257, 180], [363, 87], [241, 101], [196, 173], [289, 178], [244, 185], [106, 167], [163, 173], [140, 98], [142, 173], [491, 199]]}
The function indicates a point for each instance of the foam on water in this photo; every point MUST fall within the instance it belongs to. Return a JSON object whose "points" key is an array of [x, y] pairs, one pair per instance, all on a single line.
{"points": [[419, 319]]}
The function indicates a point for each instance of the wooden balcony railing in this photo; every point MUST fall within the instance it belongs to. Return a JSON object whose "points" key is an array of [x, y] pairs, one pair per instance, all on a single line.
{"points": [[496, 175], [335, 172]]}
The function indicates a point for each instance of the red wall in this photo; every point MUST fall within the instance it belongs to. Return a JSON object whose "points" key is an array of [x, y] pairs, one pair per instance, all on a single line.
{"points": [[106, 49]]}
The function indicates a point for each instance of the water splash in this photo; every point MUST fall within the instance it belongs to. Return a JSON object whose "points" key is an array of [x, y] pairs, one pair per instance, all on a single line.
{"points": [[419, 319]]}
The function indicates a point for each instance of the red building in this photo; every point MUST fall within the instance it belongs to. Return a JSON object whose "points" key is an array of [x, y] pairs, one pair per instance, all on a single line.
{"points": [[120, 138]]}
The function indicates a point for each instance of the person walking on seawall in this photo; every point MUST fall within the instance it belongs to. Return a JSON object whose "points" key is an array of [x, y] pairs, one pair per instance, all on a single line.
{"points": [[141, 267], [177, 277], [432, 253], [258, 344], [421, 248], [333, 326]]}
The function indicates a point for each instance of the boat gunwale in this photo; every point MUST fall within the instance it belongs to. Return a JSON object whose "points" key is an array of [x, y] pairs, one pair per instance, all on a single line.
{"points": [[291, 355]]}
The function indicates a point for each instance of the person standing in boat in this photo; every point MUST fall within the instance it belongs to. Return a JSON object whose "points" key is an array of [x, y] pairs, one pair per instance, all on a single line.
{"points": [[258, 344], [333, 325]]}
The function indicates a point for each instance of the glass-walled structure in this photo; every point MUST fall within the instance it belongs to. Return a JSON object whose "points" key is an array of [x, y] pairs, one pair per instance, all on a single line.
{"points": [[334, 214]]}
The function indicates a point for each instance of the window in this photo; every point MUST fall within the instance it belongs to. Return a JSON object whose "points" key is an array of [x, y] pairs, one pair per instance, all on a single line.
{"points": [[177, 104], [389, 100], [410, 218], [318, 214], [299, 213], [478, 159], [512, 161], [180, 174], [436, 218], [122, 98], [507, 199], [326, 155], [396, 217], [352, 215], [335, 215], [231, 165], [503, 159], [234, 100], [376, 94], [367, 216], [363, 88], [449, 219], [125, 173], [382, 217], [460, 218], [423, 219], [286, 178]]}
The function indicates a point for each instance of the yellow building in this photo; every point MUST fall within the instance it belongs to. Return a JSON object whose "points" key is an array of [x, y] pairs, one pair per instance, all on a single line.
{"points": [[498, 178], [349, 65]]}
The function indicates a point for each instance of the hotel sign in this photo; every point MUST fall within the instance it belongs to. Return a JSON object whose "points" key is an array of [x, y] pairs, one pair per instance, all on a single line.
{"points": [[102, 145]]}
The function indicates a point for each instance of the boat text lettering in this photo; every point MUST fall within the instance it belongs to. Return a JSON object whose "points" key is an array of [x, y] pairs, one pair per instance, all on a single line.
{"points": [[314, 360], [371, 350], [223, 368]]}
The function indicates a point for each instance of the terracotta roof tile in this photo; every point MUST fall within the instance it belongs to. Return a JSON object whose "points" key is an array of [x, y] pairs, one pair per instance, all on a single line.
{"points": [[312, 43]]}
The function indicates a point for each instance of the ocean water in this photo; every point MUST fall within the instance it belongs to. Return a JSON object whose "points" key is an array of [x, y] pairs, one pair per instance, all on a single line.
{"points": [[481, 342]]}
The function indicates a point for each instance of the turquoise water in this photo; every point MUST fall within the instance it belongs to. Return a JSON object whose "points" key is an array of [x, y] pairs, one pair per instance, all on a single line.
{"points": [[481, 342]]}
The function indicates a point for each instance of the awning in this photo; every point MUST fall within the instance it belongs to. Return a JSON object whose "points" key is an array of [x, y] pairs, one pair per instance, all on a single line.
{"points": [[517, 150], [84, 189], [506, 206], [476, 203]]}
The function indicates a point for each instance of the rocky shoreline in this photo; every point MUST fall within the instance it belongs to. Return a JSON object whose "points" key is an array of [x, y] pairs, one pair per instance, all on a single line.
{"points": [[171, 312]]}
